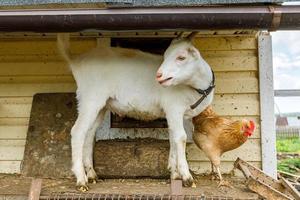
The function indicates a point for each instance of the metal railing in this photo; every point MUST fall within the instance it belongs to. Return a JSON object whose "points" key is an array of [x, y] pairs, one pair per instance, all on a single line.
{"points": [[96, 196]]}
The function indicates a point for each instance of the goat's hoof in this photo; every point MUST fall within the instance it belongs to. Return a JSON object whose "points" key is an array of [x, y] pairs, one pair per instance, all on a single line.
{"points": [[93, 180], [188, 182], [194, 185], [82, 188]]}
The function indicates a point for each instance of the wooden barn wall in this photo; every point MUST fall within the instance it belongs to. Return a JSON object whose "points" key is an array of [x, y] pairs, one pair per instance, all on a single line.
{"points": [[29, 66]]}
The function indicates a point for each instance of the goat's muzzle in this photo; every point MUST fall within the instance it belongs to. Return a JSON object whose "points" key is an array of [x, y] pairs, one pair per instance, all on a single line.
{"points": [[158, 75], [161, 81]]}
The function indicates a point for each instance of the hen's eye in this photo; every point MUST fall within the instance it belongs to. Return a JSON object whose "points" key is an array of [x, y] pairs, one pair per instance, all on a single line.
{"points": [[181, 58]]}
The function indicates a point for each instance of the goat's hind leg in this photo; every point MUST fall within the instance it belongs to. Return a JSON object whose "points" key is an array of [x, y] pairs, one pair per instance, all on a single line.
{"points": [[88, 112], [89, 147]]}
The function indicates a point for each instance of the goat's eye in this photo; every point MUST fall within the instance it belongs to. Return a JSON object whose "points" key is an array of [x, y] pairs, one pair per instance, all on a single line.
{"points": [[181, 58]]}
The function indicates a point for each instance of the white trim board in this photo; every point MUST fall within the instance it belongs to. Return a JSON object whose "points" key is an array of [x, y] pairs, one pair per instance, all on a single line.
{"points": [[268, 136]]}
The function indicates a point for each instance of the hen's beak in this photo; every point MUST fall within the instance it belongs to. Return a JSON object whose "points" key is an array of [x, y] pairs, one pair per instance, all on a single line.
{"points": [[248, 125]]}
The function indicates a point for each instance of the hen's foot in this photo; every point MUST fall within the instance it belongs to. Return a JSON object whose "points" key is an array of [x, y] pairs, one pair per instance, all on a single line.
{"points": [[213, 176], [224, 183]]}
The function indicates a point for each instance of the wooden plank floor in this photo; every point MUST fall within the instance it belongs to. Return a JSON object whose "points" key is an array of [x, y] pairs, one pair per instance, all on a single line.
{"points": [[16, 186]]}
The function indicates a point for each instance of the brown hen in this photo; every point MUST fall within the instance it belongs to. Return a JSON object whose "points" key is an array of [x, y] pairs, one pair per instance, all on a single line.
{"points": [[216, 135]]}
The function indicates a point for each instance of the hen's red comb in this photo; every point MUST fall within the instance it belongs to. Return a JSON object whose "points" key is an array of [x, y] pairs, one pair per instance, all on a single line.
{"points": [[252, 125]]}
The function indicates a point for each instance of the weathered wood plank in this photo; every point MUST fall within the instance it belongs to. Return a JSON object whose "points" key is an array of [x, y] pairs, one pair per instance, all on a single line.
{"points": [[226, 167], [233, 63], [48, 46], [14, 121], [10, 167], [224, 43], [39, 67], [12, 152], [46, 67], [228, 104], [31, 89], [242, 82], [239, 83], [12, 143], [37, 79], [249, 151], [197, 167], [15, 110], [247, 85], [13, 132], [242, 104], [15, 100], [9, 59], [43, 46]]}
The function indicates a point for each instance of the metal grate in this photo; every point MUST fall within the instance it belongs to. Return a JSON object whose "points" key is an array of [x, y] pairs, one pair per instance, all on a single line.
{"points": [[95, 196]]}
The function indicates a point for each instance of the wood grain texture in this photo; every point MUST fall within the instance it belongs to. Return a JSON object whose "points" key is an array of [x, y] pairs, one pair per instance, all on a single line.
{"points": [[13, 132], [9, 166], [226, 166], [249, 151], [227, 104], [226, 43]]}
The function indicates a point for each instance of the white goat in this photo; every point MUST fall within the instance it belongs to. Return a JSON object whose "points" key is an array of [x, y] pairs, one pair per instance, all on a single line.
{"points": [[123, 81]]}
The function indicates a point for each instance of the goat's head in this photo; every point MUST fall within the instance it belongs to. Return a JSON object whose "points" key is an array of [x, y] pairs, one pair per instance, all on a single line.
{"points": [[182, 61]]}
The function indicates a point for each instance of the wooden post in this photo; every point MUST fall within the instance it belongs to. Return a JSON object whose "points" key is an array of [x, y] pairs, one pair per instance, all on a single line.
{"points": [[176, 187], [268, 135], [35, 189]]}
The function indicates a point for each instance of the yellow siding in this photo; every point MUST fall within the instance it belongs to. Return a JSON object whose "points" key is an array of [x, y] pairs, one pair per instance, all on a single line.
{"points": [[29, 66]]}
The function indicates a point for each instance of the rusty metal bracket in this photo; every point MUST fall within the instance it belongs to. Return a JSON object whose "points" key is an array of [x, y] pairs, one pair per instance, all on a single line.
{"points": [[265, 185], [276, 18], [35, 189]]}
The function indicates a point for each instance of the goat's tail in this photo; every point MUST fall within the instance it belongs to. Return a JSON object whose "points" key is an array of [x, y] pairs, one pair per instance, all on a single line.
{"points": [[63, 44]]}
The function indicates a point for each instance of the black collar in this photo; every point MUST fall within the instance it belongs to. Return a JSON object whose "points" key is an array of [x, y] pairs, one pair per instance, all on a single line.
{"points": [[206, 92]]}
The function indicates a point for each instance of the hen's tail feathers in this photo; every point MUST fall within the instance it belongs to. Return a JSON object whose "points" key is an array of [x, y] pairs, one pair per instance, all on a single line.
{"points": [[63, 44]]}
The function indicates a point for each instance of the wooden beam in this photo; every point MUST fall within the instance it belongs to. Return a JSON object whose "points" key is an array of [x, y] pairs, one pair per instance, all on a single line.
{"points": [[35, 189], [287, 93], [176, 187], [290, 188], [268, 136]]}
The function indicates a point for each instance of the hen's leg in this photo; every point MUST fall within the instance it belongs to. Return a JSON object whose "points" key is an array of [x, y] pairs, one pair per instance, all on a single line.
{"points": [[89, 147], [212, 173], [222, 181]]}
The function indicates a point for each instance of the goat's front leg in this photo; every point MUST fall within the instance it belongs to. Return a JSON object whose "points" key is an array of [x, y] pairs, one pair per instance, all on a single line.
{"points": [[172, 164], [178, 140]]}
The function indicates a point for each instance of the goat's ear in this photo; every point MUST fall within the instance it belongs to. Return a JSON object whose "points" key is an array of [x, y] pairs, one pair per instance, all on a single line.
{"points": [[180, 35], [194, 52], [192, 35]]}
